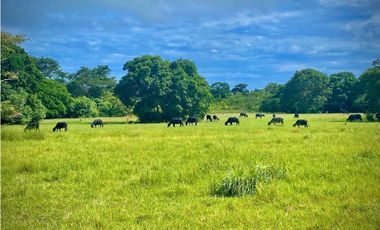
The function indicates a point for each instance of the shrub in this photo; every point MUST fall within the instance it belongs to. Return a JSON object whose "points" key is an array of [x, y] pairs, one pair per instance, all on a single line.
{"points": [[243, 182]]}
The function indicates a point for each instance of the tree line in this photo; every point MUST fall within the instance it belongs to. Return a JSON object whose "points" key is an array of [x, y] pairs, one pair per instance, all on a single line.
{"points": [[157, 90]]}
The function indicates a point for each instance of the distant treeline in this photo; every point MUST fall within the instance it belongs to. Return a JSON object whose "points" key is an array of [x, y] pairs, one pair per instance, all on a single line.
{"points": [[157, 90]]}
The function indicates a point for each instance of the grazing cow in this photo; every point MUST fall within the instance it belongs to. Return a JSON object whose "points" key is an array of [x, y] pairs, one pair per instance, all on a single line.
{"points": [[296, 115], [231, 120], [260, 115], [192, 120], [299, 123], [243, 114], [354, 117], [214, 117], [34, 124], [96, 123], [175, 121], [276, 120], [59, 126], [208, 118]]}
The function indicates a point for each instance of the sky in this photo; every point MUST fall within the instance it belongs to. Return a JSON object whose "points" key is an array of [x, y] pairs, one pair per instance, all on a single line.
{"points": [[235, 41]]}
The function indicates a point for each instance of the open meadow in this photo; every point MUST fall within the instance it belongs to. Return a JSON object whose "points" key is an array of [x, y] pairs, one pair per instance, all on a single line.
{"points": [[150, 176]]}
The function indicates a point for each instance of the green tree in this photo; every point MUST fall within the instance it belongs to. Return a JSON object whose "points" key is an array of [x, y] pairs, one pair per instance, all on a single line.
{"points": [[342, 86], [51, 69], [83, 107], [91, 83], [55, 98], [369, 89], [306, 92], [240, 88], [220, 90], [110, 106], [158, 90]]}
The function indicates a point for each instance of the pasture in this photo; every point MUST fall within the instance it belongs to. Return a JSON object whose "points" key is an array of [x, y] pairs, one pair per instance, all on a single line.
{"points": [[152, 176]]}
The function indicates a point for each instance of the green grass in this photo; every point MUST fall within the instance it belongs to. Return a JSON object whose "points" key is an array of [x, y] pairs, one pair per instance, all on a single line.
{"points": [[150, 176]]}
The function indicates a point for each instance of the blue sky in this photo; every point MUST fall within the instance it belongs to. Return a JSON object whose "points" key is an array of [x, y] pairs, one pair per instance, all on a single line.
{"points": [[236, 41]]}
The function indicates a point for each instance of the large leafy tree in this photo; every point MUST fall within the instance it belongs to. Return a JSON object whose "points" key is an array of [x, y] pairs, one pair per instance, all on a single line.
{"points": [[83, 107], [240, 88], [342, 86], [306, 91], [158, 90], [220, 90], [51, 69], [91, 83], [369, 89]]}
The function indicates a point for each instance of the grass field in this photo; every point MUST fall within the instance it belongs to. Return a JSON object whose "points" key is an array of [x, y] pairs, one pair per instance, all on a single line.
{"points": [[150, 176]]}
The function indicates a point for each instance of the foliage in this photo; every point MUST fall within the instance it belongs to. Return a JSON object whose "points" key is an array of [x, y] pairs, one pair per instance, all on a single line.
{"points": [[83, 107], [240, 88], [159, 90], [110, 106], [51, 69], [91, 83], [369, 88], [342, 86], [220, 90], [55, 97]]}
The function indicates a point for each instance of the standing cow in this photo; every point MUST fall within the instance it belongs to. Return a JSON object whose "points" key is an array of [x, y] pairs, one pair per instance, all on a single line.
{"points": [[176, 121], [354, 117], [299, 123], [208, 118], [192, 120], [231, 120], [276, 120], [260, 115], [243, 114], [296, 115], [59, 126], [96, 123]]}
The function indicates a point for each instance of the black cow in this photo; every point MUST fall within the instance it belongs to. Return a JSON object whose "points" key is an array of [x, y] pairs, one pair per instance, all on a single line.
{"points": [[260, 115], [59, 126], [243, 114], [354, 117], [96, 123], [175, 121], [299, 123], [208, 118], [34, 124], [276, 120], [296, 115], [192, 120], [231, 120], [273, 115], [214, 117]]}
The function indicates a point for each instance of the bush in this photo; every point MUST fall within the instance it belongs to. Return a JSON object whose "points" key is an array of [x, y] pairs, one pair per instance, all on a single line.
{"points": [[83, 107], [243, 182]]}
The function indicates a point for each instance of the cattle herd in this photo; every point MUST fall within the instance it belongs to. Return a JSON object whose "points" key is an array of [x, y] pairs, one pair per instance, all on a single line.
{"points": [[35, 125]]}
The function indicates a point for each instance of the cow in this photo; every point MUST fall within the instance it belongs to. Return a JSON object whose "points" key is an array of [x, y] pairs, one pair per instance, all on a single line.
{"points": [[192, 120], [59, 126], [354, 117], [276, 120], [299, 123], [273, 115], [260, 115], [34, 124], [214, 117], [231, 120], [296, 115], [243, 114], [96, 123], [175, 121], [208, 118]]}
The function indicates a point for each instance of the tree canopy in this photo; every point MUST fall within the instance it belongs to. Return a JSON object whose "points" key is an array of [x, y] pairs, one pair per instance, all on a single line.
{"points": [[159, 90]]}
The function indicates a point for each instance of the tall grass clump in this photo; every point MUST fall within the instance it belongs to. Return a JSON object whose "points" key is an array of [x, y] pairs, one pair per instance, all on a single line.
{"points": [[243, 182]]}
